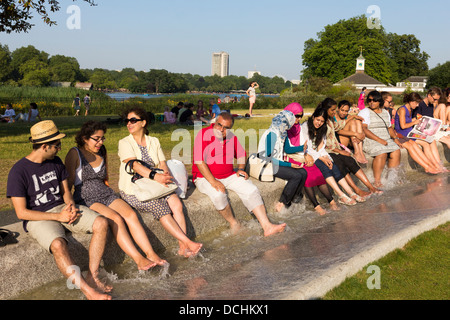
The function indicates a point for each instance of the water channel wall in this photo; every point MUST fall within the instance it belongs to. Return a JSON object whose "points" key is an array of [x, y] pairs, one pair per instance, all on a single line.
{"points": [[26, 265]]}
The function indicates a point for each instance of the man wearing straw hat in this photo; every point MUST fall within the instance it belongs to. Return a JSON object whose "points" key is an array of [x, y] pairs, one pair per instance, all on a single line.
{"points": [[38, 187]]}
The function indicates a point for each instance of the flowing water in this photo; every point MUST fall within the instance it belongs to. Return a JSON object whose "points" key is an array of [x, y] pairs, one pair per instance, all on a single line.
{"points": [[249, 266]]}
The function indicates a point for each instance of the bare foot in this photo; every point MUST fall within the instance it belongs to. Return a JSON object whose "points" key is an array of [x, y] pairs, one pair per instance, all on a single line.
{"points": [[94, 282], [321, 211], [279, 206], [364, 193], [92, 294], [274, 228], [376, 191], [153, 257], [191, 250], [334, 206], [145, 264], [235, 228]]}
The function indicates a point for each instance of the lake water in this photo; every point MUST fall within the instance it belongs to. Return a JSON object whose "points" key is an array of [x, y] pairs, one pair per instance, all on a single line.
{"points": [[124, 96]]}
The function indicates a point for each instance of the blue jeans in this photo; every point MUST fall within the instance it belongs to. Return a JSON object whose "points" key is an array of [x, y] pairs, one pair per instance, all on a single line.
{"points": [[334, 172]]}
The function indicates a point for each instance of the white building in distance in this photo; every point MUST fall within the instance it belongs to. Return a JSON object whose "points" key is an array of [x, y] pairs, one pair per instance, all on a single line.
{"points": [[250, 74], [220, 64]]}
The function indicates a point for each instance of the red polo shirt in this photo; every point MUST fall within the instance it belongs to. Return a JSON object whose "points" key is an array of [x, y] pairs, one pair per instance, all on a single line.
{"points": [[218, 154]]}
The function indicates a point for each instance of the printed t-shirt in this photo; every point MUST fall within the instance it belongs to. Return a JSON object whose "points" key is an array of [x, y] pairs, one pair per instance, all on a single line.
{"points": [[38, 183], [218, 154]]}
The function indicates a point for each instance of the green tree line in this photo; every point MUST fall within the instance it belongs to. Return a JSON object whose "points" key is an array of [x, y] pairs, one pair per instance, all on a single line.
{"points": [[28, 66], [390, 57]]}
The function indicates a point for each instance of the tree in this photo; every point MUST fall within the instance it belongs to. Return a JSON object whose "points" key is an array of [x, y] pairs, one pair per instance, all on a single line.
{"points": [[440, 76], [333, 55], [15, 15], [64, 68], [389, 57], [5, 63], [404, 51]]}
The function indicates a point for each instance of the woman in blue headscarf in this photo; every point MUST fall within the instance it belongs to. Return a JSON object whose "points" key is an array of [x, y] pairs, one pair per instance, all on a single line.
{"points": [[273, 146]]}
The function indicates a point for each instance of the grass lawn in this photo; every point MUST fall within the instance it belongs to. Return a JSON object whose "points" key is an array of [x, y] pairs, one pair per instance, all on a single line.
{"points": [[419, 271]]}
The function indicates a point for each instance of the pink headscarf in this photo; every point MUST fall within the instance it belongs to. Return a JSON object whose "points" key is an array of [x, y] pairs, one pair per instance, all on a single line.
{"points": [[294, 132]]}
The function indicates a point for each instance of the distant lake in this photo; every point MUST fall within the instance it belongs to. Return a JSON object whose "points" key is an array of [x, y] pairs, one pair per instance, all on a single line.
{"points": [[124, 96]]}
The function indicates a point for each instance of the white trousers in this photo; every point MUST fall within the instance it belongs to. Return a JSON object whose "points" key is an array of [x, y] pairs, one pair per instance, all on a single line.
{"points": [[245, 189]]}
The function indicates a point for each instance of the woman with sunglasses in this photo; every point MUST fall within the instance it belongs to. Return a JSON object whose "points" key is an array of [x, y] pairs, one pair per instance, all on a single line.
{"points": [[167, 210], [381, 141], [88, 172], [315, 177]]}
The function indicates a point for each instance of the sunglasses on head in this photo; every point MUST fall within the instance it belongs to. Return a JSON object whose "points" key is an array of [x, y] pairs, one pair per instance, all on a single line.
{"points": [[132, 120]]}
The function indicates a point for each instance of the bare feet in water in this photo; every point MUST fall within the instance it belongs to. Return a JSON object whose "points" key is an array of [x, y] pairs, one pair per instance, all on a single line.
{"points": [[273, 229], [190, 250]]}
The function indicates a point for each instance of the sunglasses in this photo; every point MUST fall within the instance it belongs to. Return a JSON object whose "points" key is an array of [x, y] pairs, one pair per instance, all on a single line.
{"points": [[299, 116], [132, 120], [372, 100]]}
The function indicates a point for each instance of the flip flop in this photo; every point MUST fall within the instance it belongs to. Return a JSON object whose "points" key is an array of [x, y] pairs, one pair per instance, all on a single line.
{"points": [[8, 237]]}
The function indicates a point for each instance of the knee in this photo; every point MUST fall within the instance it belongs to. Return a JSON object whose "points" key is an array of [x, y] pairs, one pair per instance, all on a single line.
{"points": [[100, 225], [58, 245]]}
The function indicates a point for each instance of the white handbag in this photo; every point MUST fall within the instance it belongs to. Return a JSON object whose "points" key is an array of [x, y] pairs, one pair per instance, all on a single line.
{"points": [[145, 189], [260, 168]]}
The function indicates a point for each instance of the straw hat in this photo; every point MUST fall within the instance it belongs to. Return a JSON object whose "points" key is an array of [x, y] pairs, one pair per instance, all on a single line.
{"points": [[45, 131]]}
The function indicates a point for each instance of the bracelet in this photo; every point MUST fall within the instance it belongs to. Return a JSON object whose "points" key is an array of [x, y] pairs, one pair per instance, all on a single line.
{"points": [[241, 170], [152, 174]]}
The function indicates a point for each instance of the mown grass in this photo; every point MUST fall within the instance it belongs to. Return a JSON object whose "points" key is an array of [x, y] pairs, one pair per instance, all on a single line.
{"points": [[419, 271]]}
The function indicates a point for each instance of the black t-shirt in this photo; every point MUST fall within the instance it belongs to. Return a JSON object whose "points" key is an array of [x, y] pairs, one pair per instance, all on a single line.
{"points": [[424, 110], [186, 115], [38, 183]]}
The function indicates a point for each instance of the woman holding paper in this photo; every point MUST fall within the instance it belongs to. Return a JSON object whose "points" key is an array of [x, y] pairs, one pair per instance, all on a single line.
{"points": [[404, 123]]}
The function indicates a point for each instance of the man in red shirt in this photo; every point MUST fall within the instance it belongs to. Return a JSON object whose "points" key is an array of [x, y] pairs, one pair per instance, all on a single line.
{"points": [[215, 149]]}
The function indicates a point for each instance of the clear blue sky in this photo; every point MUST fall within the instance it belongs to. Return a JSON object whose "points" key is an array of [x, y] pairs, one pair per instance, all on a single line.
{"points": [[181, 35]]}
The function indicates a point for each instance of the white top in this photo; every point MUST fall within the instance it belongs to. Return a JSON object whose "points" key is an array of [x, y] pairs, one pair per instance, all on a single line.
{"points": [[316, 154], [79, 170], [365, 114], [252, 92]]}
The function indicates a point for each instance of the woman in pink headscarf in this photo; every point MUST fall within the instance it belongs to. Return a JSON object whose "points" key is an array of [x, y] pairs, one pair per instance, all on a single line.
{"points": [[315, 177]]}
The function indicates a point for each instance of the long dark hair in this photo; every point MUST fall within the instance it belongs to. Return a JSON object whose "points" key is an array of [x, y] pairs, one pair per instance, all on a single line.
{"points": [[141, 113], [318, 134], [87, 130]]}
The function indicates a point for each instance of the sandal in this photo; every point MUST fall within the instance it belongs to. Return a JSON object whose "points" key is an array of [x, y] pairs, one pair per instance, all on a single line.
{"points": [[346, 200], [7, 237], [358, 198]]}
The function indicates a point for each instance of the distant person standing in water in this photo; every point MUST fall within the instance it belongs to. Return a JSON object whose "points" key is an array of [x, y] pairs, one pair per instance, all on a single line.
{"points": [[251, 92]]}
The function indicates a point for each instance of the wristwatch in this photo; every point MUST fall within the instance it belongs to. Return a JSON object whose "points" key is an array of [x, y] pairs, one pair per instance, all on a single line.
{"points": [[152, 174]]}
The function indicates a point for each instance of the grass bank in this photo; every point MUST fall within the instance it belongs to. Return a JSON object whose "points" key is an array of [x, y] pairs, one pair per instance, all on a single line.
{"points": [[419, 271]]}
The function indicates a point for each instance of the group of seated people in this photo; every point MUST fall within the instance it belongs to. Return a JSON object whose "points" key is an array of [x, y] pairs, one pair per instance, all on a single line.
{"points": [[184, 113], [316, 153], [10, 115]]}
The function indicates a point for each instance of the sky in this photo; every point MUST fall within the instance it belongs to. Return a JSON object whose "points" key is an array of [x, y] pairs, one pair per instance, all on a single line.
{"points": [[181, 35]]}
